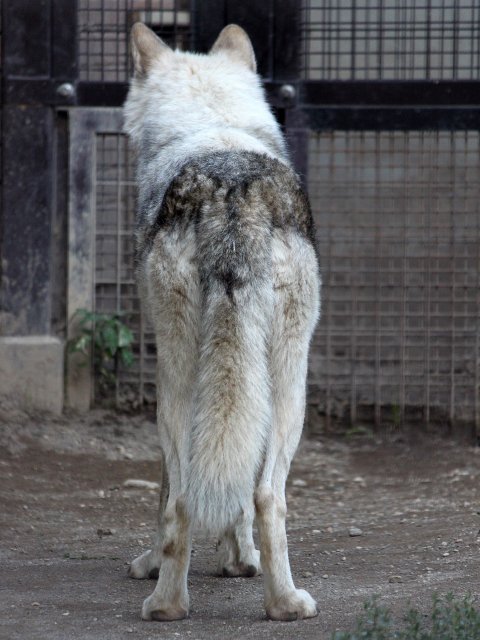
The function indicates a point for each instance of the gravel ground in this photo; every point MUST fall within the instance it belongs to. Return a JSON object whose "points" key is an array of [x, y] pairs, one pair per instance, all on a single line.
{"points": [[394, 516]]}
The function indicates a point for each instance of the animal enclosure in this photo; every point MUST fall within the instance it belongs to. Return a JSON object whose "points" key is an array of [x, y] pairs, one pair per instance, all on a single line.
{"points": [[379, 102]]}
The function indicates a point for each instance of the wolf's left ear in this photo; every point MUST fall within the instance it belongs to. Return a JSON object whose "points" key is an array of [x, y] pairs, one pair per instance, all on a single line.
{"points": [[234, 41], [146, 47]]}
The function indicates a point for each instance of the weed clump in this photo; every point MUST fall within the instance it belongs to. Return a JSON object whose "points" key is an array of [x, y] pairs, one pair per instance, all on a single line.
{"points": [[449, 619]]}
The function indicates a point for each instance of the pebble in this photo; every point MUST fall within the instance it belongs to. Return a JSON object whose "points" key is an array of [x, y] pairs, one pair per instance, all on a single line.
{"points": [[307, 574], [393, 579], [298, 482], [133, 483], [354, 531], [325, 576], [361, 481]]}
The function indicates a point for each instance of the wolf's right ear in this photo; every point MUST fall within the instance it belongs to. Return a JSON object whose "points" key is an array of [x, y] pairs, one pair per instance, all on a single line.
{"points": [[234, 41], [146, 47]]}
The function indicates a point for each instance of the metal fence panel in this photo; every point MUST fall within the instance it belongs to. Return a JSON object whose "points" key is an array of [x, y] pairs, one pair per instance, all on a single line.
{"points": [[394, 40], [398, 217]]}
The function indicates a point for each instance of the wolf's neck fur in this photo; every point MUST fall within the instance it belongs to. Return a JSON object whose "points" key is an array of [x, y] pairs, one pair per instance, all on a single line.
{"points": [[192, 106]]}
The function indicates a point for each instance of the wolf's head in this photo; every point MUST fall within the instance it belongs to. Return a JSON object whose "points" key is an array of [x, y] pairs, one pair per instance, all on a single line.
{"points": [[208, 101]]}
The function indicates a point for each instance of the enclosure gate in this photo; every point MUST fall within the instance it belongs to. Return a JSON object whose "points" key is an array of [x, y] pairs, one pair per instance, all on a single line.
{"points": [[379, 100]]}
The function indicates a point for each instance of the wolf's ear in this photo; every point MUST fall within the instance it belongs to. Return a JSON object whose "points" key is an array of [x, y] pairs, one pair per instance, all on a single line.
{"points": [[146, 47], [234, 41]]}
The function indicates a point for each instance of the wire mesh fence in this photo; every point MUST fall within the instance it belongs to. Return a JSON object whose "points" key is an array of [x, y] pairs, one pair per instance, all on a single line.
{"points": [[103, 27], [391, 39], [114, 273], [398, 219], [397, 213]]}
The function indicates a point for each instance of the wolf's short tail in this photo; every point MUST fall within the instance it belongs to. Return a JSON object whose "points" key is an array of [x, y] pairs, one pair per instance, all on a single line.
{"points": [[233, 407]]}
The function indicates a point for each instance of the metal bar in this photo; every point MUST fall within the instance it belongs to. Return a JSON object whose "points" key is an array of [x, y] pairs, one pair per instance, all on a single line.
{"points": [[354, 299], [34, 92], [393, 93], [118, 265], [113, 94], [287, 40], [393, 119], [377, 288], [453, 210], [64, 65]]}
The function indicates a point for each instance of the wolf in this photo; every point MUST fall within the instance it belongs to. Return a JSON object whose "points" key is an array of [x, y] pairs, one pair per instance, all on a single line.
{"points": [[228, 271]]}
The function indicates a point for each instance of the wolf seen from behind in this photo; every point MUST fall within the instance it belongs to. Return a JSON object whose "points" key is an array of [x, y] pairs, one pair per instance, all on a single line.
{"points": [[228, 272]]}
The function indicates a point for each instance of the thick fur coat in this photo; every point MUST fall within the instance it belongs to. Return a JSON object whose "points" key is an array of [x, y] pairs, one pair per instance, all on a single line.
{"points": [[228, 271]]}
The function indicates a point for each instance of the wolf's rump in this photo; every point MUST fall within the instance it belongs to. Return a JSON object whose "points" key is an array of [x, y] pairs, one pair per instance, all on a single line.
{"points": [[229, 204]]}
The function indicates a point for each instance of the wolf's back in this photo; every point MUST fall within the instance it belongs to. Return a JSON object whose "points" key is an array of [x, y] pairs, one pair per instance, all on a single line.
{"points": [[234, 200], [232, 409]]}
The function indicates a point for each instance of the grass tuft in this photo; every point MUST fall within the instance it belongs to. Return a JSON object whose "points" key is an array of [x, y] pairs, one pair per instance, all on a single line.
{"points": [[450, 619]]}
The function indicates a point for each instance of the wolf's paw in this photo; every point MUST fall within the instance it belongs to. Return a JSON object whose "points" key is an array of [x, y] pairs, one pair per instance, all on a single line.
{"points": [[248, 567], [154, 608], [145, 566], [294, 605]]}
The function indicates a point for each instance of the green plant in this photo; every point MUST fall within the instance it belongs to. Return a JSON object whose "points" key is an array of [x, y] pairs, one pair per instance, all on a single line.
{"points": [[107, 338], [450, 619], [359, 430]]}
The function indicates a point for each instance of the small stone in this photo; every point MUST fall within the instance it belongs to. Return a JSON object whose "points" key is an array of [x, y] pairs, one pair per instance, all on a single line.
{"points": [[325, 576], [105, 532], [133, 483], [298, 482], [445, 555], [307, 574], [354, 531], [35, 604], [393, 579]]}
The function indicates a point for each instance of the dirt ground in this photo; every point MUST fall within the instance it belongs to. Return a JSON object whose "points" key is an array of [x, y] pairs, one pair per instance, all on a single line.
{"points": [[69, 528]]}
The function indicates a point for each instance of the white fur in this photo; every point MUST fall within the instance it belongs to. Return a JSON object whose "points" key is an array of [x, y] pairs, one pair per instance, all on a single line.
{"points": [[186, 106], [201, 104]]}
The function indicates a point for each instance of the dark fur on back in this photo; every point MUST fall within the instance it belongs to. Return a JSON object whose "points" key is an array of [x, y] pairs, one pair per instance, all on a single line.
{"points": [[242, 197]]}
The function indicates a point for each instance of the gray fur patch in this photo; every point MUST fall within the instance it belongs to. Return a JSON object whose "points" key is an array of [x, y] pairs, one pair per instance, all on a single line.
{"points": [[235, 200]]}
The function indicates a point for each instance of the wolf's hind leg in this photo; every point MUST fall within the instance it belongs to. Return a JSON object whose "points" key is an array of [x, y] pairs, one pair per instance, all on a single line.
{"points": [[147, 564], [236, 551], [295, 313], [169, 600], [174, 304]]}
